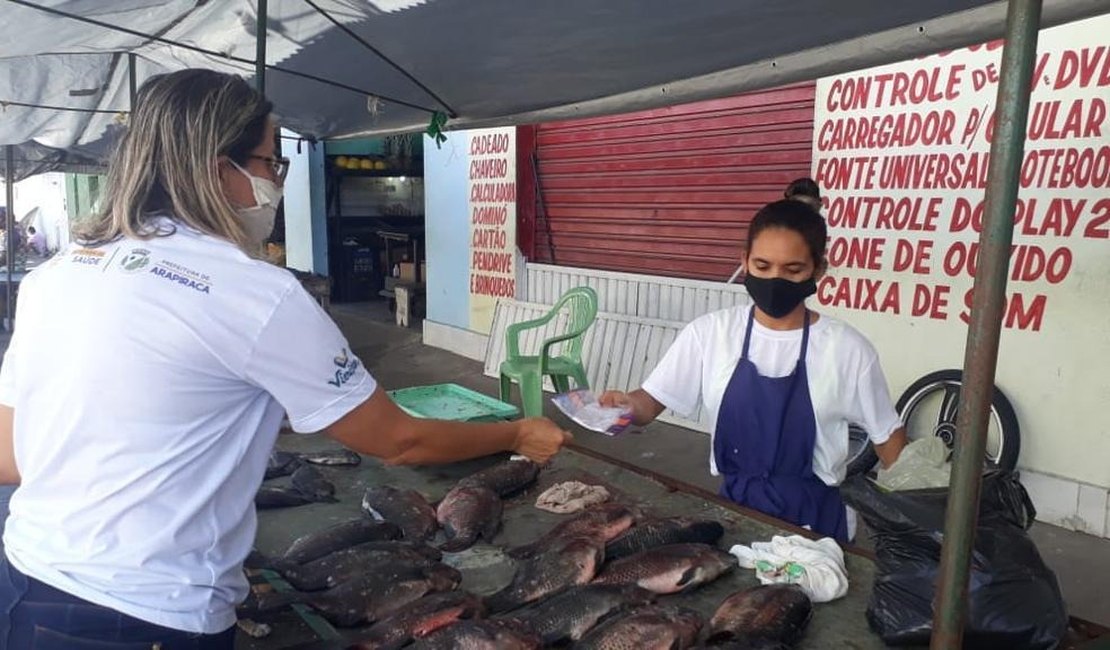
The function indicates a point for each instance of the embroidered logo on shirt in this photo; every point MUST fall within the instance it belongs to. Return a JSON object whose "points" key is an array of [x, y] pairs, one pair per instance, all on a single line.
{"points": [[135, 261], [346, 366]]}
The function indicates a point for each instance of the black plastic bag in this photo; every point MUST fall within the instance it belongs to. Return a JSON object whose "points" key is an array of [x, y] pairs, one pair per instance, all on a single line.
{"points": [[1014, 600]]}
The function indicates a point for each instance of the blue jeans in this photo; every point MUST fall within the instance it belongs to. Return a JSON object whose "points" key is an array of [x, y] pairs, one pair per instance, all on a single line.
{"points": [[36, 616]]}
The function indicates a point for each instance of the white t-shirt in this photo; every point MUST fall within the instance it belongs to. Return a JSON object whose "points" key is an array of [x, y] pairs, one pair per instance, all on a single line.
{"points": [[149, 380], [846, 383]]}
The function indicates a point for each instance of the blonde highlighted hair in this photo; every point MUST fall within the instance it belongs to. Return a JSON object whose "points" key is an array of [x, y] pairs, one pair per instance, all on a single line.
{"points": [[166, 163]]}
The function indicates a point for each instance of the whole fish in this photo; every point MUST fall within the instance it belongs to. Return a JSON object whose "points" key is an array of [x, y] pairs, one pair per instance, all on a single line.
{"points": [[660, 532], [602, 522], [768, 613], [311, 483], [573, 562], [347, 534], [466, 514], [406, 508], [371, 596], [480, 635], [505, 478], [269, 496], [331, 457], [419, 619], [669, 569], [647, 628], [340, 566], [570, 614], [281, 463]]}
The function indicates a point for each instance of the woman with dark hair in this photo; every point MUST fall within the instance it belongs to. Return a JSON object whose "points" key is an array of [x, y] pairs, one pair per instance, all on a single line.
{"points": [[154, 362], [781, 382], [804, 190]]}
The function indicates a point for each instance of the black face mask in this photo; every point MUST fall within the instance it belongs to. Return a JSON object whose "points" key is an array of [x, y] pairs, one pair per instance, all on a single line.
{"points": [[777, 297]]}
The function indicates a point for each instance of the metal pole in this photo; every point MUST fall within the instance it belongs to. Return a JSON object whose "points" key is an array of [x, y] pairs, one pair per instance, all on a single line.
{"points": [[132, 79], [988, 302], [260, 48], [9, 229]]}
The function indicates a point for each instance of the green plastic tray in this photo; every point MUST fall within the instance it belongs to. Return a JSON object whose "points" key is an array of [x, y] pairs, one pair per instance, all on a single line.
{"points": [[451, 402]]}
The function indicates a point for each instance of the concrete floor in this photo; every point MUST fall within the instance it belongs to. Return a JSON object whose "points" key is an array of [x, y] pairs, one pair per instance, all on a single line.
{"points": [[398, 359]]}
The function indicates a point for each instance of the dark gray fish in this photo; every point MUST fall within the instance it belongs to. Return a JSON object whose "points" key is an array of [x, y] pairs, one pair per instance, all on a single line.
{"points": [[466, 514], [660, 532], [406, 508], [480, 635], [602, 522], [669, 569], [505, 478], [419, 619], [332, 457], [370, 596], [269, 496], [281, 463], [340, 566], [767, 613], [344, 535], [312, 484], [570, 614], [646, 628], [572, 562]]}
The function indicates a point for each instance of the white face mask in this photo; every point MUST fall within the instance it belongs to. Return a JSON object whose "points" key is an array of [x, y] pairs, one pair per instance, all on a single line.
{"points": [[258, 220]]}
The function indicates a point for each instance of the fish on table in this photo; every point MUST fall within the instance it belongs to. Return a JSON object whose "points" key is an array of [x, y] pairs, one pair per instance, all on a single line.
{"points": [[334, 457], [573, 612], [669, 569], [420, 619], [602, 522], [281, 463], [646, 628], [270, 496], [506, 478], [405, 508], [340, 566], [663, 531], [468, 513], [370, 596], [767, 614], [311, 483], [572, 562], [338, 537], [480, 635]]}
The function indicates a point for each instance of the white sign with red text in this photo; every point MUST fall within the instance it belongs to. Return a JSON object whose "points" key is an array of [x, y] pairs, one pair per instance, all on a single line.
{"points": [[901, 153], [492, 213]]}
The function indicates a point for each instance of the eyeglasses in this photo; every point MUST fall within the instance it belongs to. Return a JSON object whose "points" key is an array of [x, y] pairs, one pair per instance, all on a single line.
{"points": [[280, 166]]}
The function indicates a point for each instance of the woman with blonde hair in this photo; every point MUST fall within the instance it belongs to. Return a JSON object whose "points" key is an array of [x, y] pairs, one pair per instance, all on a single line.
{"points": [[153, 364]]}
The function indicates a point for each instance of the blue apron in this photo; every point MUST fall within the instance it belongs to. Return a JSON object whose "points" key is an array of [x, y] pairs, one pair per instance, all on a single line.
{"points": [[763, 445]]}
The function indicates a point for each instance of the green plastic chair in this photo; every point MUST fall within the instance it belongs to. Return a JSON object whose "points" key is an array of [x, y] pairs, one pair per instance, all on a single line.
{"points": [[529, 371]]}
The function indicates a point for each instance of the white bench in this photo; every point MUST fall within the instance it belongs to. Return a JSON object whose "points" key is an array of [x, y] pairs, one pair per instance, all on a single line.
{"points": [[619, 352]]}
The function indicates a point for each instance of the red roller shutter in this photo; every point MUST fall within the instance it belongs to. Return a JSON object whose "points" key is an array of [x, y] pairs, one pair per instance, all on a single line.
{"points": [[669, 191]]}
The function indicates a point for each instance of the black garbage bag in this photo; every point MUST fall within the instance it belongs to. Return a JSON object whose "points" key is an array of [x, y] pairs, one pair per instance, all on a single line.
{"points": [[1014, 600]]}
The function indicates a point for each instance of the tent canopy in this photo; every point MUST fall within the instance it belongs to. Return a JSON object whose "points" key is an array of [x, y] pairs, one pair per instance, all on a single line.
{"points": [[343, 68]]}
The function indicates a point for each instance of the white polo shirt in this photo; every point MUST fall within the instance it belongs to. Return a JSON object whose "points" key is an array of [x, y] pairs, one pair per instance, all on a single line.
{"points": [[846, 382], [149, 380]]}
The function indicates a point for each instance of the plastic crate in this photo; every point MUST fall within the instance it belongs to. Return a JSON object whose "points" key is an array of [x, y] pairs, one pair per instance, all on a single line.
{"points": [[452, 402]]}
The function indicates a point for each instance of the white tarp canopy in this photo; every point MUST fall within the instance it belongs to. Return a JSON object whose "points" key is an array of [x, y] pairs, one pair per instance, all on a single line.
{"points": [[340, 68]]}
